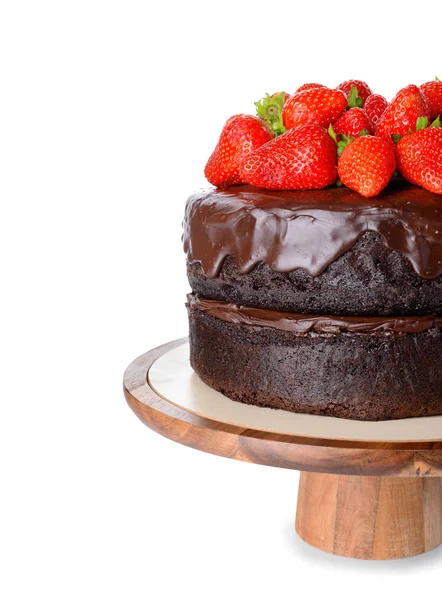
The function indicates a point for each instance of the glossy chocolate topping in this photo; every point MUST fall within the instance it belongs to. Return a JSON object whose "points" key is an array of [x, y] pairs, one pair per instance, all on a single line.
{"points": [[285, 321], [310, 229]]}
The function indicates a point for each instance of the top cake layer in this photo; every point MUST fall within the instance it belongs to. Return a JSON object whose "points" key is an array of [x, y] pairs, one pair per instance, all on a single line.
{"points": [[310, 230], [328, 252]]}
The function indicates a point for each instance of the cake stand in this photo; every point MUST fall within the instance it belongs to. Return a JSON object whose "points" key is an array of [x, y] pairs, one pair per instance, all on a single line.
{"points": [[367, 490]]}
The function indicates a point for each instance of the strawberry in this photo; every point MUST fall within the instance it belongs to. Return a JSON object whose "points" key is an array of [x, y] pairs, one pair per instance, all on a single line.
{"points": [[402, 113], [419, 158], [433, 95], [269, 109], [300, 159], [352, 123], [375, 106], [315, 106], [309, 86], [362, 88], [367, 164], [240, 135]]}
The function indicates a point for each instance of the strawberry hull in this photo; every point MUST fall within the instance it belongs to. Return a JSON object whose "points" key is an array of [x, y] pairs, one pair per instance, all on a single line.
{"points": [[363, 89]]}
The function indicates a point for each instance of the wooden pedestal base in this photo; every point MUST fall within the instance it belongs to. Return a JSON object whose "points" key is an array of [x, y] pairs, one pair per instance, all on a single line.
{"points": [[381, 497], [370, 517]]}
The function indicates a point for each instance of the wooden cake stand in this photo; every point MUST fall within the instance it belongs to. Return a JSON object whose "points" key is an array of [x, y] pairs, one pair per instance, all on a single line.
{"points": [[367, 490]]}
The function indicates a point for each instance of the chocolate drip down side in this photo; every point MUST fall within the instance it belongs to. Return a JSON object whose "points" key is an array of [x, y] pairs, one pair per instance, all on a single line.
{"points": [[301, 324], [310, 230]]}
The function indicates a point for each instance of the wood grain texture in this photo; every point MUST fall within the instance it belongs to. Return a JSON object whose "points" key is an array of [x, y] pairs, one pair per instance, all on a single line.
{"points": [[374, 518], [336, 456]]}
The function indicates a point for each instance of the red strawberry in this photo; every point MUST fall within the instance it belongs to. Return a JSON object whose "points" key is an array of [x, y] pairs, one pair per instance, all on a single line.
{"points": [[375, 106], [309, 86], [352, 123], [316, 106], [363, 90], [433, 95], [241, 135], [419, 158], [300, 159], [402, 113], [367, 165]]}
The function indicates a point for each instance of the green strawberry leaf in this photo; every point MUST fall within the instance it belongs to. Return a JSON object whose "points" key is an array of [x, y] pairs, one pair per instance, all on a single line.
{"points": [[396, 137], [363, 132], [436, 122], [269, 110], [353, 98], [332, 133], [437, 78], [339, 183], [421, 123], [343, 143]]}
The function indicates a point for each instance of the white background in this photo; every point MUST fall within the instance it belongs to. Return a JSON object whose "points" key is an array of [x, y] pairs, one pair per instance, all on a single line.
{"points": [[109, 111]]}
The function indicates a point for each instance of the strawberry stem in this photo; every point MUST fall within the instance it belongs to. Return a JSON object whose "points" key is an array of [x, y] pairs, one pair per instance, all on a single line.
{"points": [[353, 98], [332, 133], [343, 143], [343, 140], [269, 110]]}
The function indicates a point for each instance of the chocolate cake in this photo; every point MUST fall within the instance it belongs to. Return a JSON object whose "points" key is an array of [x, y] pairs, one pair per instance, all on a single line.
{"points": [[319, 301]]}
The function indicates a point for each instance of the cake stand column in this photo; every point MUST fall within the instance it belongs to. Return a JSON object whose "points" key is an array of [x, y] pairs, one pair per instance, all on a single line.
{"points": [[370, 517]]}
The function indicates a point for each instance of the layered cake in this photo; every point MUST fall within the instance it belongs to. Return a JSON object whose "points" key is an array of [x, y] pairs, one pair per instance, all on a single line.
{"points": [[321, 301]]}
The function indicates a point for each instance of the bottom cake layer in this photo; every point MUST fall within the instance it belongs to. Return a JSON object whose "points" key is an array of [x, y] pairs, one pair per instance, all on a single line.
{"points": [[372, 376]]}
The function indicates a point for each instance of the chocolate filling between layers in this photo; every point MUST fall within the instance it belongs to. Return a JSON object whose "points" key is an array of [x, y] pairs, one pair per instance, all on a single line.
{"points": [[301, 324]]}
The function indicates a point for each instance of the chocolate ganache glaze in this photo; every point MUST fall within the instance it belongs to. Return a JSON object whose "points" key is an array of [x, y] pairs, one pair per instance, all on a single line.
{"points": [[310, 230], [259, 317]]}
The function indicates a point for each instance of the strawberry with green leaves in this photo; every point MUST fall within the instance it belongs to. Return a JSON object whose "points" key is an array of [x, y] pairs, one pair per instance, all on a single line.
{"points": [[433, 95], [315, 106], [303, 158], [353, 123], [374, 107], [241, 135], [367, 164], [362, 91], [402, 113], [419, 156]]}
